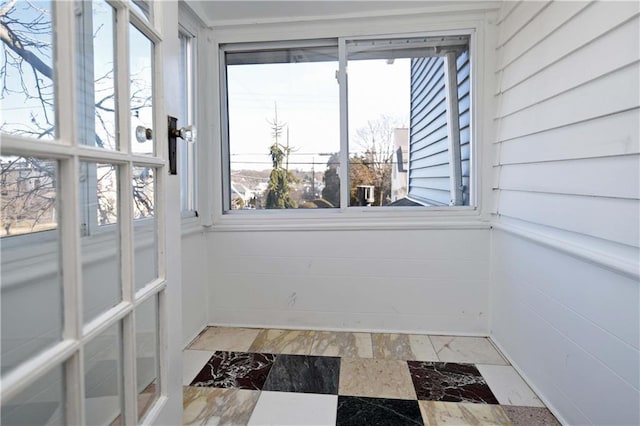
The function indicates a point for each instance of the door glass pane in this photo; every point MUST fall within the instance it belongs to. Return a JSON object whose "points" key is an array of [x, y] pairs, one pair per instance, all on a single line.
{"points": [[186, 150], [100, 238], [145, 238], [103, 77], [27, 97], [147, 354], [141, 102], [31, 276], [103, 377], [41, 403]]}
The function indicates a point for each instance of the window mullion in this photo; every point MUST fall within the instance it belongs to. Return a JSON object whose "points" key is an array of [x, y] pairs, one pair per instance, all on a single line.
{"points": [[344, 126], [68, 185], [453, 128]]}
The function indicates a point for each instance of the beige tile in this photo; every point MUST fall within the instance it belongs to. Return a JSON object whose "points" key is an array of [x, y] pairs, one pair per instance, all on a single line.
{"points": [[211, 406], [475, 350], [346, 345], [403, 347], [530, 416], [283, 342], [453, 413], [378, 378], [225, 339]]}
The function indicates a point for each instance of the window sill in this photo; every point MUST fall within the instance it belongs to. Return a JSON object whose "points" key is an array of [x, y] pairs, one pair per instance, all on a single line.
{"points": [[352, 219]]}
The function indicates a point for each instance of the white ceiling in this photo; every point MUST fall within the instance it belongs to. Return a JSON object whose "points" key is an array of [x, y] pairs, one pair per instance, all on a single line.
{"points": [[241, 11]]}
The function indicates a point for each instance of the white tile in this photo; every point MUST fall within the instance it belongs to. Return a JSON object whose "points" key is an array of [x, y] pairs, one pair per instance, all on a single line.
{"points": [[508, 387], [422, 348], [287, 408], [192, 363], [474, 350]]}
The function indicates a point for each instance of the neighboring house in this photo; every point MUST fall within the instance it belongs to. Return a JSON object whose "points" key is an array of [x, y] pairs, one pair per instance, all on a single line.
{"points": [[436, 170], [400, 161]]}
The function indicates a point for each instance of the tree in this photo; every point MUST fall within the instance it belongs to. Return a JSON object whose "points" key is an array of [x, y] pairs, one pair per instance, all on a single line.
{"points": [[376, 142], [280, 179], [331, 190], [27, 94]]}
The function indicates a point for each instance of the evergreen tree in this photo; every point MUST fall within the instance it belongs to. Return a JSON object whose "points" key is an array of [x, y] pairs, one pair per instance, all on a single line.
{"points": [[280, 179]]}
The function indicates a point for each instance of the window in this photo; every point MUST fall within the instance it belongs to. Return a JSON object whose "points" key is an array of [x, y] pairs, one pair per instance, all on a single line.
{"points": [[187, 168], [384, 123]]}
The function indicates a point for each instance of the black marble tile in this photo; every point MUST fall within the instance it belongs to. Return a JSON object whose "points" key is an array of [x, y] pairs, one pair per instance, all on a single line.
{"points": [[354, 410], [303, 373], [442, 381], [235, 370]]}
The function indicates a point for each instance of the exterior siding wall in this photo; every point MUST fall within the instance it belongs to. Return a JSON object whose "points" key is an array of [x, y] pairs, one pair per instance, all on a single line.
{"points": [[567, 171], [429, 179]]}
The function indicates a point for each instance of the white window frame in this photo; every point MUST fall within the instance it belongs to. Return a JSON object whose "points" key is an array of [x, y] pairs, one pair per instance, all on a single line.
{"points": [[348, 216], [69, 153]]}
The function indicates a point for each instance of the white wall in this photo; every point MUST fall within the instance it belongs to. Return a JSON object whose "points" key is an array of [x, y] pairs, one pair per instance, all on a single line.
{"points": [[195, 264], [565, 294], [411, 281], [424, 271]]}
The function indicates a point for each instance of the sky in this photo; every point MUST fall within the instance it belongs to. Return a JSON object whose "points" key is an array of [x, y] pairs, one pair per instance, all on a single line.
{"points": [[307, 99]]}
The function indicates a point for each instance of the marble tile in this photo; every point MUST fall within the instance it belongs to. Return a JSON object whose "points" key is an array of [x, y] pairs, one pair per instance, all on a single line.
{"points": [[475, 350], [358, 411], [377, 378], [403, 347], [192, 363], [285, 408], [304, 373], [283, 342], [346, 345], [235, 370], [530, 416], [225, 339], [210, 406], [508, 387], [440, 381], [454, 413]]}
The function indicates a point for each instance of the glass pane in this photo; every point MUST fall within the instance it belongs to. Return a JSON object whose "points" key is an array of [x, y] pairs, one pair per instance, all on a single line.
{"points": [[145, 236], [284, 128], [147, 354], [400, 149], [41, 403], [141, 102], [103, 78], [143, 7], [27, 98], [31, 276], [103, 377], [186, 150], [100, 242]]}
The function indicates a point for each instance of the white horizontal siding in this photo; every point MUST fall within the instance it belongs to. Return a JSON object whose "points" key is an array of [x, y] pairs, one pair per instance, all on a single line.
{"points": [[567, 167], [603, 177], [593, 21], [594, 60], [615, 92], [520, 16], [602, 136], [549, 19]]}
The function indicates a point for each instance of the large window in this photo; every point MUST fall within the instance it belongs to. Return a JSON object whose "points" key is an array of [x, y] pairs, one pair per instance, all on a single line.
{"points": [[366, 122]]}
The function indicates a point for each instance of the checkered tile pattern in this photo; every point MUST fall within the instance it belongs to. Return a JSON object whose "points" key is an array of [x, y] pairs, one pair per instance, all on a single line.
{"points": [[251, 387]]}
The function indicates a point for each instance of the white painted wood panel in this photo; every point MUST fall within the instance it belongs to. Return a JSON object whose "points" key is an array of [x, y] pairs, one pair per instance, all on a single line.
{"points": [[604, 177], [615, 92], [351, 279], [612, 51], [604, 136], [547, 21], [583, 28], [520, 17], [612, 219], [195, 288], [506, 8], [571, 327]]}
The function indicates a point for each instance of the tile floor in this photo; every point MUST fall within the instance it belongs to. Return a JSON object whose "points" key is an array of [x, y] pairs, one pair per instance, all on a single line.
{"points": [[239, 376]]}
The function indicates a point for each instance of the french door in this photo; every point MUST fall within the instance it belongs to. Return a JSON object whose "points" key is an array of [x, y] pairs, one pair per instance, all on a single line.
{"points": [[90, 291]]}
